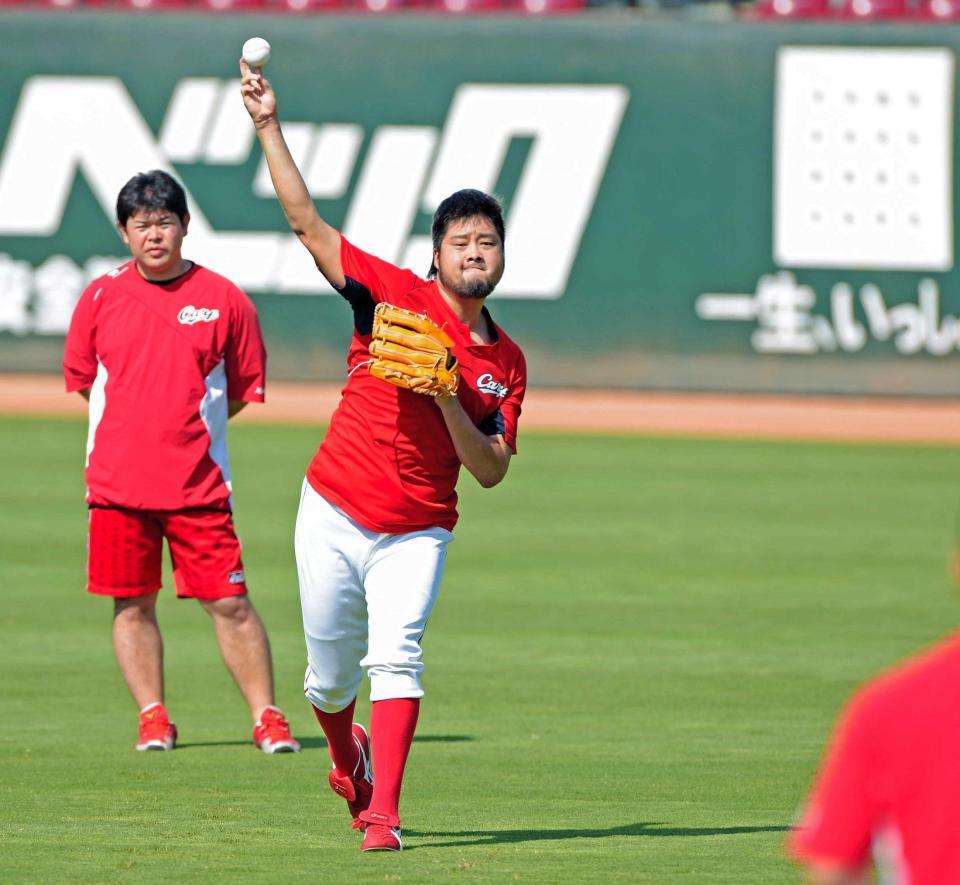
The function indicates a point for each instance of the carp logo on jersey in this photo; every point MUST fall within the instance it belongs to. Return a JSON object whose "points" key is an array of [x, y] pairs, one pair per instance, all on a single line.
{"points": [[486, 384], [190, 315]]}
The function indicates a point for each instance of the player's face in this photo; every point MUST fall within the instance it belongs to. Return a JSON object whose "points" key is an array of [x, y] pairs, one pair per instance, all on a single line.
{"points": [[155, 240], [470, 258]]}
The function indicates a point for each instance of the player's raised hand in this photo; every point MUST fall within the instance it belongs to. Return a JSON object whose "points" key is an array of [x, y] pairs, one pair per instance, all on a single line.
{"points": [[258, 96]]}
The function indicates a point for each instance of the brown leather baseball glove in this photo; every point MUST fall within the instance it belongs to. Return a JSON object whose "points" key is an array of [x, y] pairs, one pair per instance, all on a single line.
{"points": [[410, 350]]}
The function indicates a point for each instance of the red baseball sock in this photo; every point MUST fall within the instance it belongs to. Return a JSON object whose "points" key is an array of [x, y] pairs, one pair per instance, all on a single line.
{"points": [[338, 730], [392, 724]]}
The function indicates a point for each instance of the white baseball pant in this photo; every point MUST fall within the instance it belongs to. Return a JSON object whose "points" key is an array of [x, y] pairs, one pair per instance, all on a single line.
{"points": [[365, 597]]}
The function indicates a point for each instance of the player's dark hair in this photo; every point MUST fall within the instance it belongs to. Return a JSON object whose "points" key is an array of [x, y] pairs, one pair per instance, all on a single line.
{"points": [[154, 191], [460, 206]]}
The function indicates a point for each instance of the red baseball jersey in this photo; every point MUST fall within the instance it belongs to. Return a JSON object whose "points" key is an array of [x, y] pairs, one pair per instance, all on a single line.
{"points": [[388, 460], [162, 360], [890, 782]]}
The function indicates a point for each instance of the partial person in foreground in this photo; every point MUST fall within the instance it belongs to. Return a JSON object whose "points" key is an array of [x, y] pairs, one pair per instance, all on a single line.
{"points": [[165, 351], [888, 795], [433, 384]]}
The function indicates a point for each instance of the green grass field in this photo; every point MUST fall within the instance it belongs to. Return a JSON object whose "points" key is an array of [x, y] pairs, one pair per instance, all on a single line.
{"points": [[639, 649]]}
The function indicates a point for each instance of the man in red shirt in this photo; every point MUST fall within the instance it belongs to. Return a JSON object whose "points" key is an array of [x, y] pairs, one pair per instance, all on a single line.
{"points": [[165, 351], [379, 502], [888, 793]]}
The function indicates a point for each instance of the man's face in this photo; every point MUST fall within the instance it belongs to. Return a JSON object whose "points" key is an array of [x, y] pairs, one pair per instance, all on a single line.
{"points": [[469, 261], [155, 240]]}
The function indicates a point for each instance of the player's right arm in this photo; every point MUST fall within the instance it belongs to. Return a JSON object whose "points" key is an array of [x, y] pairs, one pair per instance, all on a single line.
{"points": [[321, 239], [79, 352]]}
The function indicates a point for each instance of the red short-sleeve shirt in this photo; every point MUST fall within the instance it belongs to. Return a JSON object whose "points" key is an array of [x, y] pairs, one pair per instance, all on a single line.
{"points": [[890, 782], [388, 460], [161, 362]]}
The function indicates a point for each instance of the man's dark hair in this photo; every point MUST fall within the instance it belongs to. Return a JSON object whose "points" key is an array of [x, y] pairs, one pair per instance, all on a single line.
{"points": [[459, 207], [154, 191]]}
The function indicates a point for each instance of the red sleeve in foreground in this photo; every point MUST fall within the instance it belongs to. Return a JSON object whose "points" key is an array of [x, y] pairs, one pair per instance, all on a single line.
{"points": [[245, 356], [381, 278], [79, 352], [841, 814]]}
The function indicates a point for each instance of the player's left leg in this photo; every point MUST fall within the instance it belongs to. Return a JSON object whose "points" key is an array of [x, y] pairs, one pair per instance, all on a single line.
{"points": [[207, 567], [246, 652], [402, 581], [245, 648]]}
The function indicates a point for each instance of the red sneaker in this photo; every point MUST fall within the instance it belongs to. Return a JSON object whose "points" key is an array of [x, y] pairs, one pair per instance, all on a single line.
{"points": [[272, 733], [157, 732], [380, 837], [356, 788]]}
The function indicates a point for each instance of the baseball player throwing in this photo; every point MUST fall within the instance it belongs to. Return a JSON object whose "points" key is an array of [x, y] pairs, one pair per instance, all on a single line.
{"points": [[433, 384], [165, 351]]}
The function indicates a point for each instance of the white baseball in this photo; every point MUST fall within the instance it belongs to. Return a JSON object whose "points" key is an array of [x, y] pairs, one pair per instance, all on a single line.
{"points": [[256, 52]]}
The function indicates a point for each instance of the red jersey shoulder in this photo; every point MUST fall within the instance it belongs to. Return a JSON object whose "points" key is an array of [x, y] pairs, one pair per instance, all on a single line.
{"points": [[210, 280], [383, 280], [907, 683], [106, 282], [423, 298]]}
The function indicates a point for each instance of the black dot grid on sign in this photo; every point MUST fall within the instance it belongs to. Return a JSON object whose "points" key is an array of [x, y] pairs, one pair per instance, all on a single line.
{"points": [[860, 142]]}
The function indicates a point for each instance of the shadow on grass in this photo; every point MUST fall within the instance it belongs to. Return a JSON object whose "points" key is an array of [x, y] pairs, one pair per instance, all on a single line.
{"points": [[441, 738], [466, 838], [319, 743]]}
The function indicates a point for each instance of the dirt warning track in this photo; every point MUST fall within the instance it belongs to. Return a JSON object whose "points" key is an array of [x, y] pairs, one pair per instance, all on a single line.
{"points": [[601, 411]]}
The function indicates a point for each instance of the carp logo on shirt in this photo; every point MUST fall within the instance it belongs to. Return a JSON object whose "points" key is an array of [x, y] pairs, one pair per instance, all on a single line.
{"points": [[190, 315], [486, 384]]}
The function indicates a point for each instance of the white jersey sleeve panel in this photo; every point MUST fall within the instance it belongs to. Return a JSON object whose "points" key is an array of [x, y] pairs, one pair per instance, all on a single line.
{"points": [[214, 414], [96, 404]]}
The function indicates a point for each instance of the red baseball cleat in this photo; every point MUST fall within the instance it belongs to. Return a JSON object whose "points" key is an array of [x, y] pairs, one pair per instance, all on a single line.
{"points": [[272, 733], [356, 788], [157, 732], [380, 837]]}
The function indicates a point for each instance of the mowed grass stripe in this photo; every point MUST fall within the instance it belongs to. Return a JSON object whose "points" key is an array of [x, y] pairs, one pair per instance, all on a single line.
{"points": [[639, 649]]}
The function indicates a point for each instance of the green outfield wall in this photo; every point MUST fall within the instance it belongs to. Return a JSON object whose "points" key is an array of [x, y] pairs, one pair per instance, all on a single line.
{"points": [[738, 206]]}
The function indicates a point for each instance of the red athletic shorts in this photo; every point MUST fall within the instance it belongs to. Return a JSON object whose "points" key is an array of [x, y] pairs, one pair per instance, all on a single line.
{"points": [[124, 549]]}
